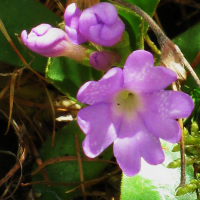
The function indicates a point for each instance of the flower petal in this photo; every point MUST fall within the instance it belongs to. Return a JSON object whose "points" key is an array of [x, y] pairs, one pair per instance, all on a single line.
{"points": [[100, 130], [71, 17], [100, 24], [46, 40], [103, 60], [106, 12], [100, 60], [162, 127], [94, 92], [41, 29], [170, 104], [112, 32], [128, 156], [133, 142], [151, 149], [162, 108], [140, 75]]}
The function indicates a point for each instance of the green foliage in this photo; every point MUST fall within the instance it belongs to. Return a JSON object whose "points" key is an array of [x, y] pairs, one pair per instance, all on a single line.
{"points": [[177, 163], [66, 172], [189, 43], [18, 16], [194, 129], [195, 94], [67, 75], [134, 22], [192, 146], [187, 188]]}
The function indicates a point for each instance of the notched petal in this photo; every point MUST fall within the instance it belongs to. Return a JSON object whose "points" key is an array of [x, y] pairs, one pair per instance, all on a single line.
{"points": [[162, 127], [170, 104], [94, 92], [182, 105], [127, 146], [151, 149], [141, 76], [128, 156], [100, 130]]}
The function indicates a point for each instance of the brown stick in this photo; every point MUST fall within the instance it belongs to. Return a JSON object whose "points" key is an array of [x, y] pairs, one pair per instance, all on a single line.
{"points": [[182, 148], [80, 165], [182, 145]]}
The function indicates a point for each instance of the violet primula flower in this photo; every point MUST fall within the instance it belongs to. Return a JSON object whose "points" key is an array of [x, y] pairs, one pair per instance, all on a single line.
{"points": [[100, 24], [130, 109], [71, 17], [46, 40], [103, 60]]}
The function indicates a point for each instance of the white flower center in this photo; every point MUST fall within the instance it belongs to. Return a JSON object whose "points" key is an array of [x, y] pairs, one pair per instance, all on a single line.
{"points": [[126, 103]]}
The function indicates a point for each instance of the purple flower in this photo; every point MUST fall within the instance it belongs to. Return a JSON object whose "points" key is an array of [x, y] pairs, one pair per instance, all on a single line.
{"points": [[103, 60], [130, 108], [71, 16], [100, 24], [46, 40]]}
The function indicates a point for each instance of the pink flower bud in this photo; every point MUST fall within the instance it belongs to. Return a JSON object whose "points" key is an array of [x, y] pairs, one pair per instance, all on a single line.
{"points": [[103, 60], [46, 40], [100, 24], [71, 17]]}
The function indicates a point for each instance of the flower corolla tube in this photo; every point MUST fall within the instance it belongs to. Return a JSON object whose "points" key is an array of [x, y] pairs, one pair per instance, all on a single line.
{"points": [[46, 40], [131, 109]]}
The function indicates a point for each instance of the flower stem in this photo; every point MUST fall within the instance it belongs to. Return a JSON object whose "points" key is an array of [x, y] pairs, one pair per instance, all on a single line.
{"points": [[182, 148], [152, 45], [156, 29], [175, 87]]}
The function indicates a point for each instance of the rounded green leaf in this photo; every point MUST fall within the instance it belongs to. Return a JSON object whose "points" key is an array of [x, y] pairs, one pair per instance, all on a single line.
{"points": [[135, 20], [23, 15], [189, 43], [68, 76], [66, 172]]}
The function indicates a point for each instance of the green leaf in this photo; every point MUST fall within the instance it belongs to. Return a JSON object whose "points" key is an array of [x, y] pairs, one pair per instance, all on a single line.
{"points": [[156, 182], [191, 187], [67, 75], [66, 172], [135, 21], [189, 43], [18, 16], [195, 94]]}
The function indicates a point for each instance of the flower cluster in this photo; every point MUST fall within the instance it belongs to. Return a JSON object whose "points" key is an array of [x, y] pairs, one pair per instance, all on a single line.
{"points": [[127, 107], [99, 24], [130, 109]]}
